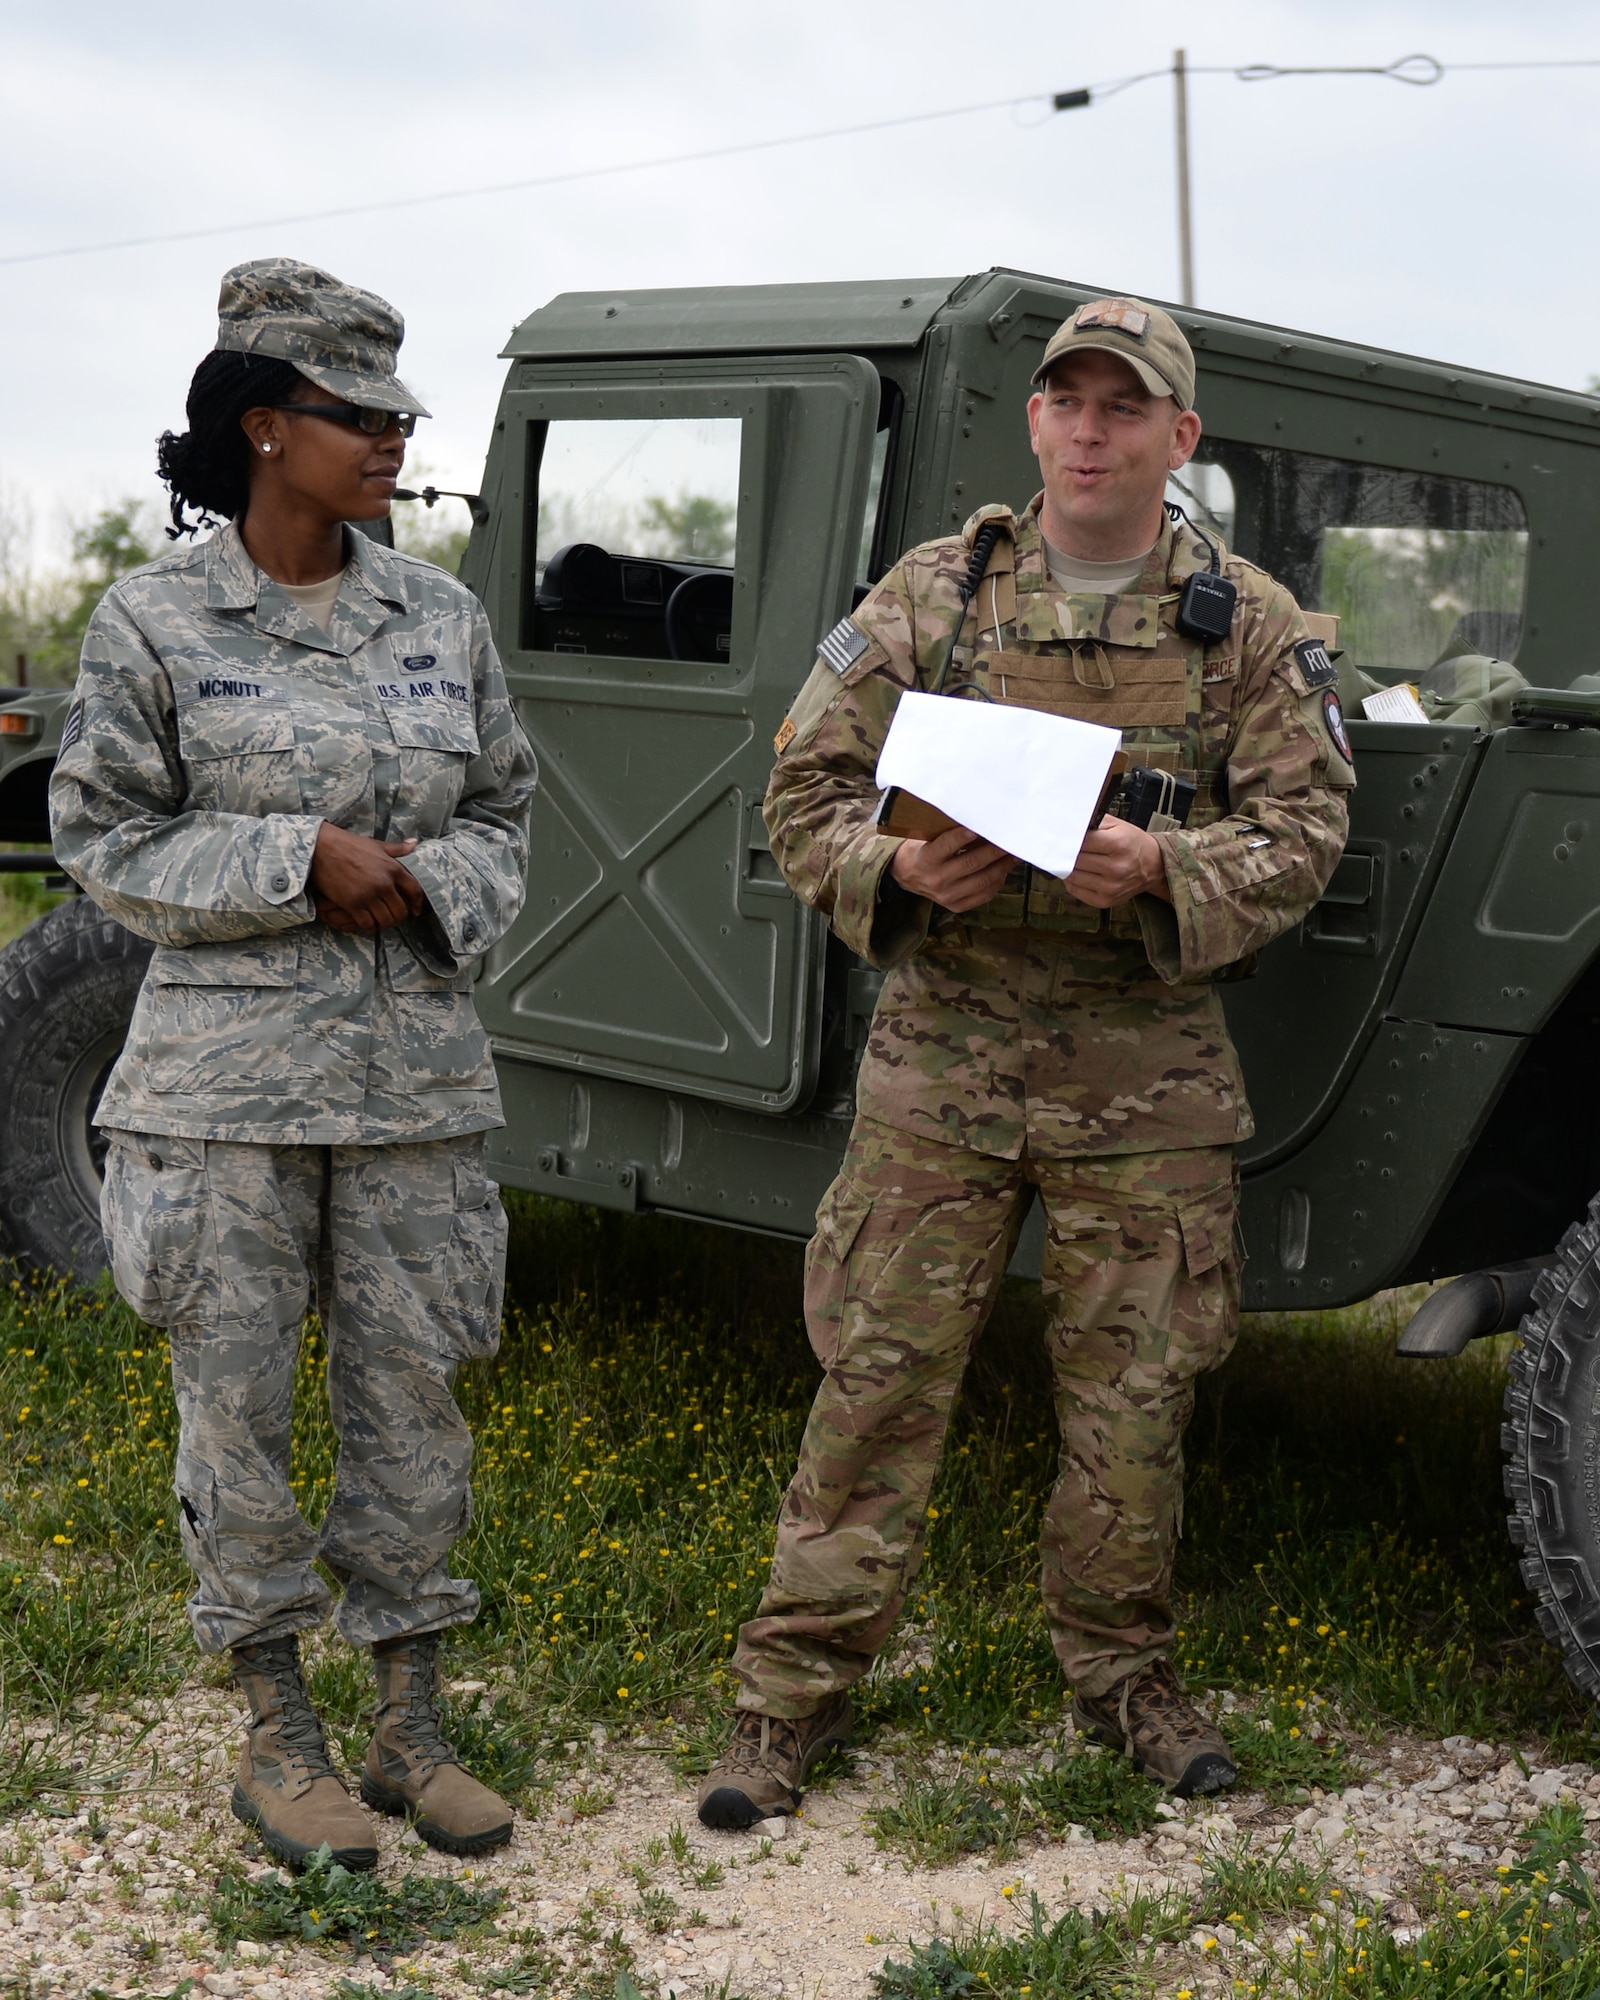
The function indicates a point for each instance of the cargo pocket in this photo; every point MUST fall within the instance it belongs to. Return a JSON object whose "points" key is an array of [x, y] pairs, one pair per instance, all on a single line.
{"points": [[220, 1020], [442, 1041], [1205, 1317], [844, 1208], [155, 1213], [474, 1284]]}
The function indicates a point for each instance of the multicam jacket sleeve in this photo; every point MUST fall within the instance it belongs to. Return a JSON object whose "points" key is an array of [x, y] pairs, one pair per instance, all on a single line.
{"points": [[822, 792], [1236, 884]]}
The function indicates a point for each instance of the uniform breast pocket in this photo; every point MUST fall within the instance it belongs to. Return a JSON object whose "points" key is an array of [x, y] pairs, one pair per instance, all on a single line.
{"points": [[435, 735], [220, 1020], [237, 747]]}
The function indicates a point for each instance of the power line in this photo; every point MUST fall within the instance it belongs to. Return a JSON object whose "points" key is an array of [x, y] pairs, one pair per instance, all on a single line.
{"points": [[1415, 69]]}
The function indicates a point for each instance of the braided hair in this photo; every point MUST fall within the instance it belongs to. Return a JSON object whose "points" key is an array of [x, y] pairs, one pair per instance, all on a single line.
{"points": [[208, 466]]}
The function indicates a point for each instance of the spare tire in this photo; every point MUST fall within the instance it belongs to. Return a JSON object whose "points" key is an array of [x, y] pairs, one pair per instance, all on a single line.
{"points": [[67, 988], [1552, 1441]]}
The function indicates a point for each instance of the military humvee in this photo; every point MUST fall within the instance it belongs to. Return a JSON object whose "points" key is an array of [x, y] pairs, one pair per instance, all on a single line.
{"points": [[685, 489]]}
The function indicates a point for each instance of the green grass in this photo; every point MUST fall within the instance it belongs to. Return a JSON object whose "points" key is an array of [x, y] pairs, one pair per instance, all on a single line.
{"points": [[1074, 1957], [1344, 1562], [1536, 1931], [23, 899], [327, 1904]]}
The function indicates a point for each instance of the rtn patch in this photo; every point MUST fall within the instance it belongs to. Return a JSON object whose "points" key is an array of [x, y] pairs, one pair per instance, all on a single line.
{"points": [[1318, 669]]}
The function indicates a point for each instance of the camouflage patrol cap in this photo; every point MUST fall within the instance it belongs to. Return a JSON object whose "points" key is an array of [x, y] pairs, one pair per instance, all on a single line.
{"points": [[343, 339], [1148, 339]]}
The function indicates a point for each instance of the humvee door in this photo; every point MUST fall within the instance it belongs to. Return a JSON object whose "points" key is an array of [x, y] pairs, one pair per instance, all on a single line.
{"points": [[671, 537]]}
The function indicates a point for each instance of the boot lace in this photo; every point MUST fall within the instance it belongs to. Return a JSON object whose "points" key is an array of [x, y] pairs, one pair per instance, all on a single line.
{"points": [[420, 1721], [298, 1727], [1155, 1699], [766, 1743]]}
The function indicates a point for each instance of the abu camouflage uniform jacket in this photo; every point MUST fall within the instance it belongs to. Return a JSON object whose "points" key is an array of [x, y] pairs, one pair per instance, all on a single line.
{"points": [[1037, 1022], [215, 727]]}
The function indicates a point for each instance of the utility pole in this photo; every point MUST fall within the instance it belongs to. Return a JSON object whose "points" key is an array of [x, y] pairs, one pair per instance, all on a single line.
{"points": [[1180, 110]]}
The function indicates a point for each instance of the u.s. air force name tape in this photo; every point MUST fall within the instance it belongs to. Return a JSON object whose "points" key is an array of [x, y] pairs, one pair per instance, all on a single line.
{"points": [[844, 645]]}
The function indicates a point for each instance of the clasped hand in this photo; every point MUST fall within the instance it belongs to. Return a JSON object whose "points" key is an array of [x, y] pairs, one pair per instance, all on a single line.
{"points": [[358, 884], [959, 871]]}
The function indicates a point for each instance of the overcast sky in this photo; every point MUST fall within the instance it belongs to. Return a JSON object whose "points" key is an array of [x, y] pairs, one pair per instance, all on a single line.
{"points": [[1455, 221]]}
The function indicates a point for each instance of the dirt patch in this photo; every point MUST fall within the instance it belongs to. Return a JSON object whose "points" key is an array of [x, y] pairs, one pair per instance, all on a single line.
{"points": [[614, 1869]]}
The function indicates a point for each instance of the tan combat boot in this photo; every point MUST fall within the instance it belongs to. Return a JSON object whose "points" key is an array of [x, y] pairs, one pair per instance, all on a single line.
{"points": [[1150, 1717], [287, 1788], [760, 1773], [410, 1768]]}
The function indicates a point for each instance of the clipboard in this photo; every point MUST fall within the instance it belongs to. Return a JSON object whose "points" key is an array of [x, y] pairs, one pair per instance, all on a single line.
{"points": [[906, 816]]}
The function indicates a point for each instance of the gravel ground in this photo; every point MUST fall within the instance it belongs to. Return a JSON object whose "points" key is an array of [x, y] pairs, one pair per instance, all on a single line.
{"points": [[108, 1902]]}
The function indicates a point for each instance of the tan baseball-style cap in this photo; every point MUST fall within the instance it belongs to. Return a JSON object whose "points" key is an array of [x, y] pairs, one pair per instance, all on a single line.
{"points": [[1147, 338], [338, 336]]}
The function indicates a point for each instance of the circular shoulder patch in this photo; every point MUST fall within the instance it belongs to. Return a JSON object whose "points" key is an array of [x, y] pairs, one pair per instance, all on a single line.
{"points": [[1333, 715]]}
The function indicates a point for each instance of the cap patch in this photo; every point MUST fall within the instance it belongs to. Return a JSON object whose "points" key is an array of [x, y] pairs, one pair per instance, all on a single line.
{"points": [[1118, 315], [844, 645], [1318, 669]]}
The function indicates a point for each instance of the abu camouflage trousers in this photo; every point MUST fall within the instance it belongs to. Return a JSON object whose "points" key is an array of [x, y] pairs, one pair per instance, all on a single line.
{"points": [[401, 1248], [1141, 1284]]}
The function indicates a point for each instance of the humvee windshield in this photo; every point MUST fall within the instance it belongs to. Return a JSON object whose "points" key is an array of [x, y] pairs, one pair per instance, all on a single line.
{"points": [[1417, 566]]}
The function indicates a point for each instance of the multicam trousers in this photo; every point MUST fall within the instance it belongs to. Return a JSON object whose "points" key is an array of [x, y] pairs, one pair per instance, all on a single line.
{"points": [[402, 1248], [1141, 1282]]}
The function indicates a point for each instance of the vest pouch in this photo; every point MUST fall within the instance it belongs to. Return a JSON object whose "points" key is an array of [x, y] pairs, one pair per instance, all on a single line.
{"points": [[1118, 687]]}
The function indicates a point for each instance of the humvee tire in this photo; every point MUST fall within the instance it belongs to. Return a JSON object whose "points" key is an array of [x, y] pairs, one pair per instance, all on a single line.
{"points": [[1553, 1444], [67, 988]]}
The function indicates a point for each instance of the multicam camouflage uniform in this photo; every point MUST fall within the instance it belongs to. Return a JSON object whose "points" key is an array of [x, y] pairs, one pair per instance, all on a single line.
{"points": [[299, 1111], [1037, 1043]]}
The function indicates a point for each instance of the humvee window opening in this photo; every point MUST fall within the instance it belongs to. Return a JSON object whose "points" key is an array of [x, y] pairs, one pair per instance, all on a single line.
{"points": [[874, 559], [1418, 567], [635, 536]]}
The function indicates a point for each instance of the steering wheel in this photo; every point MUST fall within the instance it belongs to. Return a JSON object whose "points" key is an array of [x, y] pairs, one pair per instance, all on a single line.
{"points": [[701, 601]]}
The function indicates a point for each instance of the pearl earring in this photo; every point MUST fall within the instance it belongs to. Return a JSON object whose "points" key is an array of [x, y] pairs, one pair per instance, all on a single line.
{"points": [[266, 447]]}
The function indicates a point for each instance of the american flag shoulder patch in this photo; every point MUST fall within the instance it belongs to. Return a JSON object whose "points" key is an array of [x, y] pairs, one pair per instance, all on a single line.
{"points": [[844, 645], [72, 729]]}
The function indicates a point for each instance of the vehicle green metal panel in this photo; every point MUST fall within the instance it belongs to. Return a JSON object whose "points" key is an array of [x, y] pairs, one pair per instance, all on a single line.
{"points": [[1515, 917], [660, 941], [621, 1145], [1302, 1022], [860, 314], [1339, 1219]]}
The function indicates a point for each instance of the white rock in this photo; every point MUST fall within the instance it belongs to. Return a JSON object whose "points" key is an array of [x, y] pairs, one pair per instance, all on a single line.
{"points": [[776, 1828], [227, 1984], [1441, 1781]]}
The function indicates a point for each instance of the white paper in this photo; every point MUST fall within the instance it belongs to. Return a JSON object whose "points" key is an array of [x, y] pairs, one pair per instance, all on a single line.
{"points": [[1025, 780], [1394, 704]]}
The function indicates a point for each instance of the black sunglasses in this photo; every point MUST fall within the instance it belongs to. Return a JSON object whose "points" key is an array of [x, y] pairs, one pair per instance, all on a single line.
{"points": [[372, 423]]}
